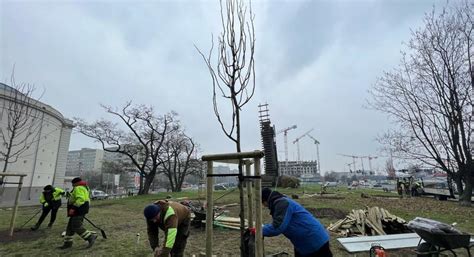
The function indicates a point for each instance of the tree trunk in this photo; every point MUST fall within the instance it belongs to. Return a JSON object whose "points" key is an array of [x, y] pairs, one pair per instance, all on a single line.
{"points": [[465, 197], [241, 189], [146, 186], [459, 185], [140, 189], [179, 184], [172, 184], [7, 155]]}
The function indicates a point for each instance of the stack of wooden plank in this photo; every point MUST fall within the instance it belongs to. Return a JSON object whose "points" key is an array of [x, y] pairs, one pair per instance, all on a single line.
{"points": [[228, 222], [371, 221]]}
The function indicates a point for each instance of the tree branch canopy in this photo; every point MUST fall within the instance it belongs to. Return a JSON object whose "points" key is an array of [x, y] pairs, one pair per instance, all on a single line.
{"points": [[429, 95], [233, 70], [140, 136], [24, 121]]}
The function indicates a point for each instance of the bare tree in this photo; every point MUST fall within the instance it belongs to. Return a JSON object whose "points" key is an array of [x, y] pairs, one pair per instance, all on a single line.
{"points": [[142, 141], [23, 121], [233, 73], [429, 96], [390, 169], [177, 159]]}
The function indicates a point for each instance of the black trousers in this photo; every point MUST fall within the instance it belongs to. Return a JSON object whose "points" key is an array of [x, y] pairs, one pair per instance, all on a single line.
{"points": [[54, 207], [324, 251], [75, 226]]}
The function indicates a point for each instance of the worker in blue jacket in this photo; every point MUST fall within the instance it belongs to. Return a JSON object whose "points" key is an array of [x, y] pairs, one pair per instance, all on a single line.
{"points": [[306, 233]]}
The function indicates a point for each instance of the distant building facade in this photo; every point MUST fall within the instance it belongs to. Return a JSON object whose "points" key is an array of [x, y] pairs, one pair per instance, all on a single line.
{"points": [[298, 169], [84, 160], [44, 161], [87, 160]]}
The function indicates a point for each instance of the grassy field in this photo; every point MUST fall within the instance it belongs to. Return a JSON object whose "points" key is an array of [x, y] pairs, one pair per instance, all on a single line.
{"points": [[122, 219]]}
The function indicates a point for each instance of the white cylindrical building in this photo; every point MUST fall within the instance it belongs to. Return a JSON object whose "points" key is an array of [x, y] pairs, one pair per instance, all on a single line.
{"points": [[44, 158]]}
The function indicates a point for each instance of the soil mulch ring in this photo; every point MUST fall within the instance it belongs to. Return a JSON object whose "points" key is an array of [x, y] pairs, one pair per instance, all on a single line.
{"points": [[327, 213], [21, 235]]}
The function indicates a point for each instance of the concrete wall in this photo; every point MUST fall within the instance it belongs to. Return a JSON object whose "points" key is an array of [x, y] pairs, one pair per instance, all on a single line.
{"points": [[45, 151], [61, 160]]}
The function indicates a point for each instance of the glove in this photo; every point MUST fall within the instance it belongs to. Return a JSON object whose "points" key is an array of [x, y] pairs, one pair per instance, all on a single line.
{"points": [[71, 212], [45, 205]]}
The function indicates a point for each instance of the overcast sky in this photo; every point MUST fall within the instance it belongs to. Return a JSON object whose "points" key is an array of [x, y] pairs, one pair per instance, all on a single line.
{"points": [[315, 61]]}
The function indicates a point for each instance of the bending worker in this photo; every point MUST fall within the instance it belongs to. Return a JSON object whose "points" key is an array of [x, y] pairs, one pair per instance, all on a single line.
{"points": [[174, 219], [51, 201], [77, 208], [306, 233]]}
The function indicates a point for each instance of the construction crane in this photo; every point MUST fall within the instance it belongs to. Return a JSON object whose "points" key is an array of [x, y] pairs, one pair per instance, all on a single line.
{"points": [[297, 142], [285, 135], [370, 160], [316, 142], [354, 157]]}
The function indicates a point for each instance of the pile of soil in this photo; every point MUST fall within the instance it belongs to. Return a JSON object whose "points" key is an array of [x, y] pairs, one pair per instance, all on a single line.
{"points": [[327, 213]]}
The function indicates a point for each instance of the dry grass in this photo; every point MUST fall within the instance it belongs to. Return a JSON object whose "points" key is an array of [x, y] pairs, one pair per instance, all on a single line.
{"points": [[122, 220]]}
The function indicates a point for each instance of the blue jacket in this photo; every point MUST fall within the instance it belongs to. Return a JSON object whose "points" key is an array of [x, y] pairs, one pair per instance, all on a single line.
{"points": [[292, 220]]}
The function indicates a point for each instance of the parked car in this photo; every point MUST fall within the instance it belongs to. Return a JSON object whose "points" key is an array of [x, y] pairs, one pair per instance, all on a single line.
{"points": [[98, 195], [220, 187], [330, 184]]}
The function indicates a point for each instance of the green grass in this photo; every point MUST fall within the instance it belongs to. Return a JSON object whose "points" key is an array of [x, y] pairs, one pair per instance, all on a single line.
{"points": [[122, 219]]}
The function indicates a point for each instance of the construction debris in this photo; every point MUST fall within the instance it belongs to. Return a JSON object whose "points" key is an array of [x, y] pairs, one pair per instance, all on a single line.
{"points": [[228, 222], [371, 221], [199, 215]]}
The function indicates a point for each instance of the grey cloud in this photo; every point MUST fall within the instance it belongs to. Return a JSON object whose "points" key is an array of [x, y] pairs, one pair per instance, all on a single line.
{"points": [[315, 61]]}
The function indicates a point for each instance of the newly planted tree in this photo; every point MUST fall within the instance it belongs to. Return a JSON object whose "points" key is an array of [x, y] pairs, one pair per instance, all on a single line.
{"points": [[233, 73]]}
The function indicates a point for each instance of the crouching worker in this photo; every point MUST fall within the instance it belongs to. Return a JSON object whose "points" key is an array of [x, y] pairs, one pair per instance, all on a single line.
{"points": [[306, 233], [51, 201], [174, 219], [77, 208]]}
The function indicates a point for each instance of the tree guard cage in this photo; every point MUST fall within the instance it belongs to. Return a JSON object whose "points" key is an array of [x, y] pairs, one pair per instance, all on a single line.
{"points": [[18, 192], [246, 159]]}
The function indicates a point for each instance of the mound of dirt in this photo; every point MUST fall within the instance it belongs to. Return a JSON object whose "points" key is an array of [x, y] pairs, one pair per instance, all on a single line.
{"points": [[288, 181], [327, 213], [20, 235]]}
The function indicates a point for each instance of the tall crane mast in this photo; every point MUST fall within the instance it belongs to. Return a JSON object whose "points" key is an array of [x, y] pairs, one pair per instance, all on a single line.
{"points": [[354, 157], [297, 142], [285, 135], [370, 160], [316, 142]]}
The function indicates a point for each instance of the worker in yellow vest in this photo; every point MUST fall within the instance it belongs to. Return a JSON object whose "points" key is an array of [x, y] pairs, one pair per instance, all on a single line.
{"points": [[77, 208], [174, 219], [50, 199]]}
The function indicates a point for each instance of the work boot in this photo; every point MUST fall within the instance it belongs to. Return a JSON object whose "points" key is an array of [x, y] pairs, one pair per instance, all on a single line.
{"points": [[35, 227], [50, 225], [91, 240], [66, 245]]}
